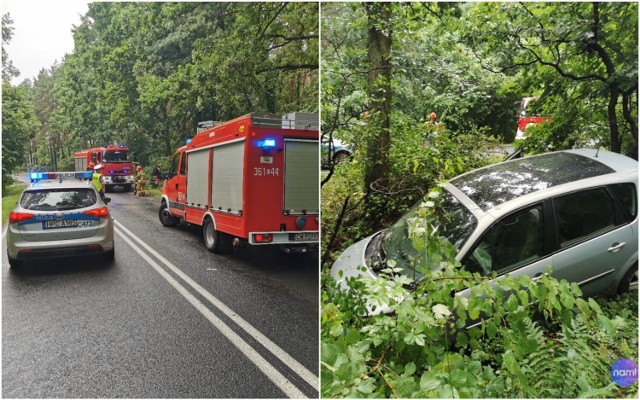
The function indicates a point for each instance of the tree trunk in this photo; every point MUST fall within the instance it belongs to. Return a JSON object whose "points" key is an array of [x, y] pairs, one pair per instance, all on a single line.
{"points": [[379, 79], [613, 119]]}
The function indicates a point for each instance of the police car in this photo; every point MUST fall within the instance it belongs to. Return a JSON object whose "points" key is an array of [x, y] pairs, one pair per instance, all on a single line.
{"points": [[60, 214]]}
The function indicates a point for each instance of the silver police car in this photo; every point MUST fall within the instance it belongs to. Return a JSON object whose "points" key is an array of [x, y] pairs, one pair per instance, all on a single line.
{"points": [[58, 218], [576, 211]]}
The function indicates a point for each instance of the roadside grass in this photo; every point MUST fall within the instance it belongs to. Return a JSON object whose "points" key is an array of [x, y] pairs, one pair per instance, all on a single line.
{"points": [[152, 192], [10, 197]]}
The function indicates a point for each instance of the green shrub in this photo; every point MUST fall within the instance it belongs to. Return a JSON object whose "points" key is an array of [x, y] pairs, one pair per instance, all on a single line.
{"points": [[537, 338]]}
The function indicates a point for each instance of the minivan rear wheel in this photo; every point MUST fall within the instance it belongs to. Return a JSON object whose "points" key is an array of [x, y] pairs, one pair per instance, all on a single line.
{"points": [[630, 281]]}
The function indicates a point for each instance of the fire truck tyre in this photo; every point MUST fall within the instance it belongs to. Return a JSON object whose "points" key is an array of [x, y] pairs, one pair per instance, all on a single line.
{"points": [[15, 264], [127, 188], [165, 218], [211, 237]]}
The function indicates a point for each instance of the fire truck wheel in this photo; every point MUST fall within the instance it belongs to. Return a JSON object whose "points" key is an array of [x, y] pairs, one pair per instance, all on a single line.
{"points": [[165, 218], [211, 237]]}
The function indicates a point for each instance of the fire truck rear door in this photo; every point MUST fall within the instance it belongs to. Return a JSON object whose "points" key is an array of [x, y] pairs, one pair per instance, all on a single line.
{"points": [[301, 172]]}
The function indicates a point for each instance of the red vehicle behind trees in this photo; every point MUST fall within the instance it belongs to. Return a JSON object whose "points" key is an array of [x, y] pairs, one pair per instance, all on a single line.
{"points": [[529, 114], [250, 180], [117, 167]]}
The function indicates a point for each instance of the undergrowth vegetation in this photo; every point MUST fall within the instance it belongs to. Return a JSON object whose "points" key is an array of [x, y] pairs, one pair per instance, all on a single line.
{"points": [[516, 337]]}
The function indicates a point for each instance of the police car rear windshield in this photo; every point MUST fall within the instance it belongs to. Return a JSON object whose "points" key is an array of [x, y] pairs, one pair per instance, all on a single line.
{"points": [[58, 199]]}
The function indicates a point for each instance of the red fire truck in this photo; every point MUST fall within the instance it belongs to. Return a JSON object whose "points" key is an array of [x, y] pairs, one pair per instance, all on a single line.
{"points": [[117, 167], [254, 179], [528, 114]]}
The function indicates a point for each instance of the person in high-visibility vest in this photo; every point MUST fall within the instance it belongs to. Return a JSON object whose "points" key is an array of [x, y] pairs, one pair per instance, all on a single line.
{"points": [[96, 179]]}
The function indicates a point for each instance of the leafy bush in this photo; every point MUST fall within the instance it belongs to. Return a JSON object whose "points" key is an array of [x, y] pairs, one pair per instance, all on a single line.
{"points": [[419, 159], [531, 338]]}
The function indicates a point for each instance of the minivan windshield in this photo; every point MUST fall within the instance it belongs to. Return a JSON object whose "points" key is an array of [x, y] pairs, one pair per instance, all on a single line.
{"points": [[456, 224]]}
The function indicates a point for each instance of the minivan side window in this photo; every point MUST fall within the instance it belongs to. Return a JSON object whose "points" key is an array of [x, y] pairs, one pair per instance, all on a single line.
{"points": [[626, 195], [583, 215], [512, 242]]}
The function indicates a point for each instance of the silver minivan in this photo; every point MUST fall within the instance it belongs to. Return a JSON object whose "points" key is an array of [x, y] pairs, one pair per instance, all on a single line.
{"points": [[576, 211]]}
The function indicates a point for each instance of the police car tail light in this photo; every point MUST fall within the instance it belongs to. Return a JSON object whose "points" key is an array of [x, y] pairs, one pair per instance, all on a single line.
{"points": [[16, 217], [102, 212], [263, 238]]}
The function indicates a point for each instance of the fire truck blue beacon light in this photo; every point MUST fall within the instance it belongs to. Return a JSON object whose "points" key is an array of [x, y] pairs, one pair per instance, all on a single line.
{"points": [[267, 143]]}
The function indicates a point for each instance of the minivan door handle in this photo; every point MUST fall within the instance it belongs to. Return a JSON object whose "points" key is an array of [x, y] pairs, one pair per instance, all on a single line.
{"points": [[615, 247]]}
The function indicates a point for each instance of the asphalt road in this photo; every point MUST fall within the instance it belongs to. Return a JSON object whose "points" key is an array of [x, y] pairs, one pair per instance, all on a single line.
{"points": [[165, 319]]}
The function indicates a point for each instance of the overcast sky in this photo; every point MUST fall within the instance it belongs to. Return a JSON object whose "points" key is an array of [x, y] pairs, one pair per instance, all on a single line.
{"points": [[42, 32]]}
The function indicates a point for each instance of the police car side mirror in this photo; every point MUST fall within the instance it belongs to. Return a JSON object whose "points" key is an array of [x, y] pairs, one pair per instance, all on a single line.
{"points": [[107, 199]]}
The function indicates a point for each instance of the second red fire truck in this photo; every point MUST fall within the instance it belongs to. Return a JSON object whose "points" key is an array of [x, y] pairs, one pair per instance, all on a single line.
{"points": [[117, 167], [254, 179]]}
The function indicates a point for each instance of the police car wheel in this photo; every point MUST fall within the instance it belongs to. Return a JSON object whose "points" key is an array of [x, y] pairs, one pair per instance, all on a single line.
{"points": [[13, 263], [110, 255]]}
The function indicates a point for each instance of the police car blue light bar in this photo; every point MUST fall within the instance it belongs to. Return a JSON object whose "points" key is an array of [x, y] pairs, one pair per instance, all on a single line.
{"points": [[38, 176]]}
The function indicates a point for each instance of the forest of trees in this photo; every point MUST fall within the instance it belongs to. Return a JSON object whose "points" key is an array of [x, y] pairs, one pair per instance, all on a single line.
{"points": [[144, 74], [386, 66]]}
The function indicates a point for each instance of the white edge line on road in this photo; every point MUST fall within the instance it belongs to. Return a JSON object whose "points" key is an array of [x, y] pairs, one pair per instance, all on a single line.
{"points": [[276, 377], [298, 368]]}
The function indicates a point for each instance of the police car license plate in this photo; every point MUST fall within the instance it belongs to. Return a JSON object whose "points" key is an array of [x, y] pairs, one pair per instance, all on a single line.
{"points": [[298, 237], [65, 223]]}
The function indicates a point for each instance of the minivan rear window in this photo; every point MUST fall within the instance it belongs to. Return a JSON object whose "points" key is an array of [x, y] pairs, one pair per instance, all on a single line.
{"points": [[58, 199], [495, 185]]}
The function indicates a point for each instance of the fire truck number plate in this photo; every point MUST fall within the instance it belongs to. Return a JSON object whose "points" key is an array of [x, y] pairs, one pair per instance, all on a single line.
{"points": [[261, 171], [304, 236]]}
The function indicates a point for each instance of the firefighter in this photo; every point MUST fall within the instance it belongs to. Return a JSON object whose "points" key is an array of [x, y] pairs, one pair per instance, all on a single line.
{"points": [[432, 125], [96, 179], [141, 182], [432, 129]]}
